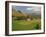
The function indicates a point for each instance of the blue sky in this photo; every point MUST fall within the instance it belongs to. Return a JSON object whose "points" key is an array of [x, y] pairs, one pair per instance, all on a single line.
{"points": [[23, 8]]}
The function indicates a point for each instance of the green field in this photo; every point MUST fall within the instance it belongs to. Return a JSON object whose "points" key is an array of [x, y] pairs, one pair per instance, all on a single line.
{"points": [[26, 25]]}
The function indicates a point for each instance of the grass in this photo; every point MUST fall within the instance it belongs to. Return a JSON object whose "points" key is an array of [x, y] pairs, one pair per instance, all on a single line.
{"points": [[26, 25]]}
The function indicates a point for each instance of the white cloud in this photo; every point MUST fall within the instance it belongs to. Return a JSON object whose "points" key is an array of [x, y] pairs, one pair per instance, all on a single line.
{"points": [[36, 8], [29, 9]]}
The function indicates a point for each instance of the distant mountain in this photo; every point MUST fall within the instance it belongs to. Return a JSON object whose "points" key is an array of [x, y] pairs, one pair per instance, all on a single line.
{"points": [[38, 13]]}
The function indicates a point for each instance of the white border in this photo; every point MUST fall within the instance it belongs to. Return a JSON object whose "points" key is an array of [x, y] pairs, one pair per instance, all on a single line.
{"points": [[28, 31]]}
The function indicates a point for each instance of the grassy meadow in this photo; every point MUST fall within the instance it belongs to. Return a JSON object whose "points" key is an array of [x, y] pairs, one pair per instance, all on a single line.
{"points": [[26, 25]]}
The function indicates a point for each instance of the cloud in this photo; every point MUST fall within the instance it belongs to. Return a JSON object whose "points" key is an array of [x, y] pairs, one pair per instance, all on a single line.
{"points": [[36, 8], [28, 8]]}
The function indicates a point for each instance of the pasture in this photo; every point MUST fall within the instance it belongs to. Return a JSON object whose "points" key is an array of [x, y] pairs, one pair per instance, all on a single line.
{"points": [[34, 24]]}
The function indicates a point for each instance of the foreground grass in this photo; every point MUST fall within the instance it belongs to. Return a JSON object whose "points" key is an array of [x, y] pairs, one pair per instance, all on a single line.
{"points": [[26, 25]]}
